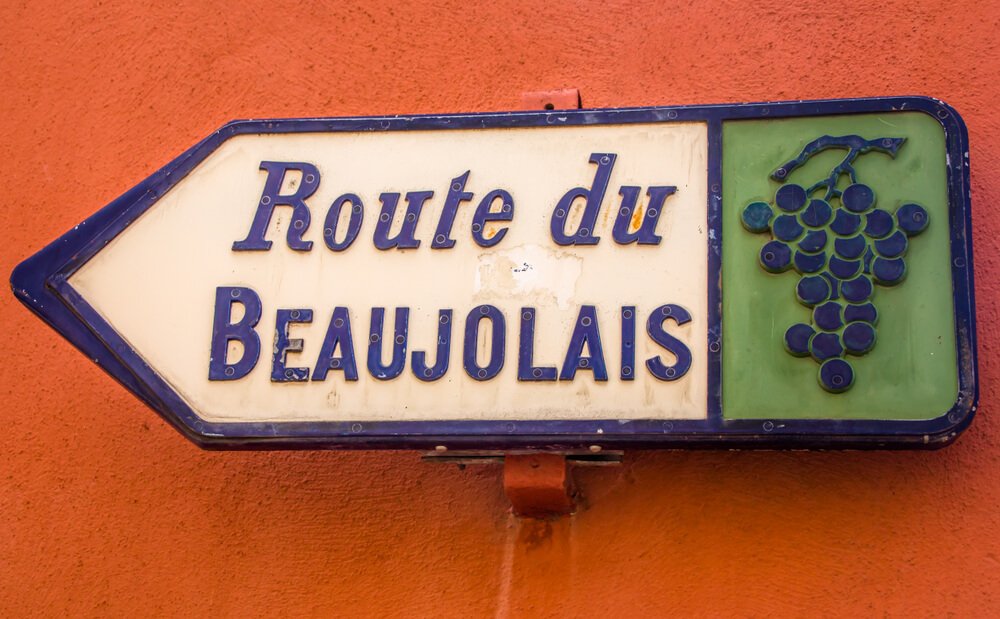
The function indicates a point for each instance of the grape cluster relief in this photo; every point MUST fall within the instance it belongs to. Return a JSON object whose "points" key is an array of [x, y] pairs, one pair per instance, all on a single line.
{"points": [[841, 244]]}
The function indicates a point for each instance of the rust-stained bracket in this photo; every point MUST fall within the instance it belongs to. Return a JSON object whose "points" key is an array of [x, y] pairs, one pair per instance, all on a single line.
{"points": [[565, 99], [538, 484]]}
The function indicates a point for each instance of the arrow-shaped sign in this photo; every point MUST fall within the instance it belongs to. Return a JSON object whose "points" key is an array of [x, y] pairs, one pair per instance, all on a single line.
{"points": [[553, 279]]}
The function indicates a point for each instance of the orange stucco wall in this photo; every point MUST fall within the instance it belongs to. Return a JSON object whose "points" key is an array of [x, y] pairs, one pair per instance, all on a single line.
{"points": [[104, 510]]}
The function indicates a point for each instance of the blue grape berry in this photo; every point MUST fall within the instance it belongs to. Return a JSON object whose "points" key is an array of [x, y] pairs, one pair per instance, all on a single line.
{"points": [[786, 228], [809, 263], [824, 346], [776, 257], [814, 240], [878, 224], [757, 216], [817, 214], [861, 313], [834, 284], [827, 316], [869, 256], [892, 245], [889, 272], [797, 339], [844, 269], [812, 290], [851, 247], [845, 223], [790, 197], [857, 290], [836, 375], [858, 198], [912, 219], [859, 338]]}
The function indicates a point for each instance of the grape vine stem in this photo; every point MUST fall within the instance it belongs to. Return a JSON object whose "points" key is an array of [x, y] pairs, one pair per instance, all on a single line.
{"points": [[855, 146]]}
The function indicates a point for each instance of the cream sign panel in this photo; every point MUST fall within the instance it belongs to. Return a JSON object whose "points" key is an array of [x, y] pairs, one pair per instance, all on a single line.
{"points": [[508, 273]]}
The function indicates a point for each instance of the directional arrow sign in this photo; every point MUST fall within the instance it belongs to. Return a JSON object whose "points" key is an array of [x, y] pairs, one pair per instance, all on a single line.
{"points": [[753, 275]]}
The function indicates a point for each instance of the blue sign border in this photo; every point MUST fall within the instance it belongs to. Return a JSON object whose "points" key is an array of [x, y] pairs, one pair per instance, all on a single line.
{"points": [[41, 283]]}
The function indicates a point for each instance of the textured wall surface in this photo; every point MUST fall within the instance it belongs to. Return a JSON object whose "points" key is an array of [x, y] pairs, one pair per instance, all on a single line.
{"points": [[107, 511]]}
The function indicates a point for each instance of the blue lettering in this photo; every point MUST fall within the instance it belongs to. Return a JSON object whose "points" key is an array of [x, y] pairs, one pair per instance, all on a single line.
{"points": [[594, 196], [628, 343], [353, 224], [526, 351], [395, 367], [271, 197], [585, 333], [484, 213], [337, 334], [419, 359], [224, 332], [284, 345], [654, 326], [404, 239], [456, 195], [646, 232], [472, 322]]}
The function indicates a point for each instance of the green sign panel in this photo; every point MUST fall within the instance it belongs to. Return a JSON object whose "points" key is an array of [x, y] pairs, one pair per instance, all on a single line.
{"points": [[902, 362]]}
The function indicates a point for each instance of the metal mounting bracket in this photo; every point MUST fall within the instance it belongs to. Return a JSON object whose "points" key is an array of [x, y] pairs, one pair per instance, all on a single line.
{"points": [[538, 484]]}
